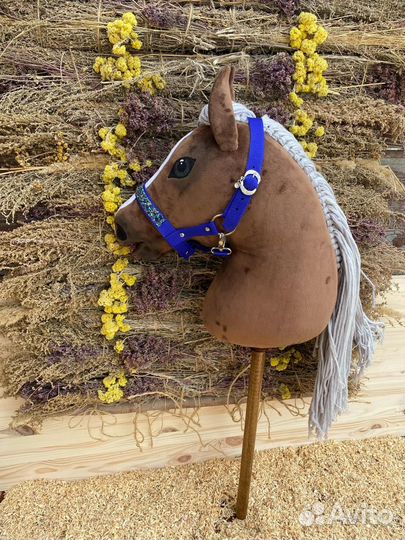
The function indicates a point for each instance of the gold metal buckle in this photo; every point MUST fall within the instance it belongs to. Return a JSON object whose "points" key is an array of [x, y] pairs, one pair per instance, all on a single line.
{"points": [[221, 248]]}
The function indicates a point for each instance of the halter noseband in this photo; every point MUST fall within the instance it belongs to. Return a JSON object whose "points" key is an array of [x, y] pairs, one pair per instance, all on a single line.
{"points": [[181, 239]]}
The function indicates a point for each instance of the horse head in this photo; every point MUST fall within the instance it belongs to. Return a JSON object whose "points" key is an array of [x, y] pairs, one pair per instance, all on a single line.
{"points": [[291, 268], [279, 285], [196, 179]]}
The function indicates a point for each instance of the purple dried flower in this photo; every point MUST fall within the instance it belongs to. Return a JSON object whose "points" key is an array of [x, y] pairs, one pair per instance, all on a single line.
{"points": [[158, 288], [288, 7], [44, 210], [38, 212], [144, 350], [150, 148], [278, 113], [92, 385], [393, 87], [163, 17], [273, 77], [367, 232], [141, 384], [39, 391], [69, 353], [142, 113]]}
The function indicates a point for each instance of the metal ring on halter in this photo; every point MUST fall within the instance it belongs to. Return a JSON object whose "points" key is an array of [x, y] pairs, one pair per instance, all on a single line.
{"points": [[225, 251], [225, 233], [240, 183], [221, 249]]}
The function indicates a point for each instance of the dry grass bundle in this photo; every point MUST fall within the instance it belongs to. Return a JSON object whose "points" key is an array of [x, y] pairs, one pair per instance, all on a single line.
{"points": [[363, 188], [54, 270], [362, 111], [355, 10], [34, 120], [71, 188], [187, 75], [55, 241], [375, 261], [357, 126], [202, 28]]}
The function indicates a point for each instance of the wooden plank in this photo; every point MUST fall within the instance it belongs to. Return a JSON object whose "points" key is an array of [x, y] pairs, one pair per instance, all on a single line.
{"points": [[64, 448]]}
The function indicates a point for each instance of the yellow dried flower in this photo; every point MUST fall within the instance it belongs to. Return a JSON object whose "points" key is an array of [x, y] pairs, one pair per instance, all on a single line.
{"points": [[121, 64], [308, 46], [295, 33], [312, 149], [119, 50], [120, 265], [112, 395], [120, 130], [295, 99], [130, 18], [103, 132], [320, 131], [109, 381], [308, 22], [119, 346], [125, 328], [284, 391], [135, 166], [299, 56], [122, 380], [110, 207], [320, 35], [129, 279], [136, 44]]}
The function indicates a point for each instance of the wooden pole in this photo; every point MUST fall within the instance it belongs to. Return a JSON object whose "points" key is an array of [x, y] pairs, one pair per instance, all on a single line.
{"points": [[249, 435]]}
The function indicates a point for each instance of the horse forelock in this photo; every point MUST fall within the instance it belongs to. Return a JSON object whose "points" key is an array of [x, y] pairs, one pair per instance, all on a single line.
{"points": [[240, 111]]}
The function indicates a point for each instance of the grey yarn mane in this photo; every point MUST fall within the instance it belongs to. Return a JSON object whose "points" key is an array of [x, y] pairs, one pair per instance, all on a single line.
{"points": [[349, 327]]}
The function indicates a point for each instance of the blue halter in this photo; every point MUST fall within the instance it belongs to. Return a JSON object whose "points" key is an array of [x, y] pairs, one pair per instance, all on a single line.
{"points": [[181, 239]]}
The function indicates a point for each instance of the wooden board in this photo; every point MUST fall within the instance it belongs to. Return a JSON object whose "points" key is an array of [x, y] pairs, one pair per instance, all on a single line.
{"points": [[65, 450]]}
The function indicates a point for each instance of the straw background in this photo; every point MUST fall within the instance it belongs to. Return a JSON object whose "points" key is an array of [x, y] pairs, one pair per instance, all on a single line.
{"points": [[52, 255]]}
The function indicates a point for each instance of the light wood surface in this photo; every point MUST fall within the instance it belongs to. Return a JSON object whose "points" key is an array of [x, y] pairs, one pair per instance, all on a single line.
{"points": [[64, 449]]}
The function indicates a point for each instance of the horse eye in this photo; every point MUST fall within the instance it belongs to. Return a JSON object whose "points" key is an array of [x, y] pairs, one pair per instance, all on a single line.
{"points": [[182, 167]]}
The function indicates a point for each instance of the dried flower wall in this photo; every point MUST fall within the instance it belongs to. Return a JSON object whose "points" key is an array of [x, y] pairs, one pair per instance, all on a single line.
{"points": [[53, 255]]}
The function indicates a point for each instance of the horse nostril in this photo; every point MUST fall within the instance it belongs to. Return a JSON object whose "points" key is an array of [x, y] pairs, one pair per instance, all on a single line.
{"points": [[121, 234]]}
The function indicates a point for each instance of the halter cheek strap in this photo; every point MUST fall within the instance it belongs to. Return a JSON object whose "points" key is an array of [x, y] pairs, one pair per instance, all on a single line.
{"points": [[181, 239]]}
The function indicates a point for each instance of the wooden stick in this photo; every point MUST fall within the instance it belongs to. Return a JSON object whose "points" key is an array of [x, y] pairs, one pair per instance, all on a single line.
{"points": [[249, 435]]}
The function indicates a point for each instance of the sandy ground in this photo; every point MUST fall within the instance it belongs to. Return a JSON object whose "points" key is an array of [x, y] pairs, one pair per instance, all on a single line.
{"points": [[347, 490]]}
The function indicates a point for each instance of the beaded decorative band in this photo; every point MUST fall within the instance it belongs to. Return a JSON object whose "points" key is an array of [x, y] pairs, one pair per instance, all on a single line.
{"points": [[148, 207]]}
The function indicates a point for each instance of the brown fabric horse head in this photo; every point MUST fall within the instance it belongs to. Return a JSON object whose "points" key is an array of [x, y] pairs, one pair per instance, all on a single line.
{"points": [[279, 286]]}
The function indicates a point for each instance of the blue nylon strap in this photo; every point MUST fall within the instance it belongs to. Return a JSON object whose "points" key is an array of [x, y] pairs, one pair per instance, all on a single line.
{"points": [[181, 239], [178, 239], [239, 203]]}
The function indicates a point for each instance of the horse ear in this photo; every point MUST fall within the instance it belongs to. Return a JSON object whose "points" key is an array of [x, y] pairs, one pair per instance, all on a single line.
{"points": [[220, 111]]}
